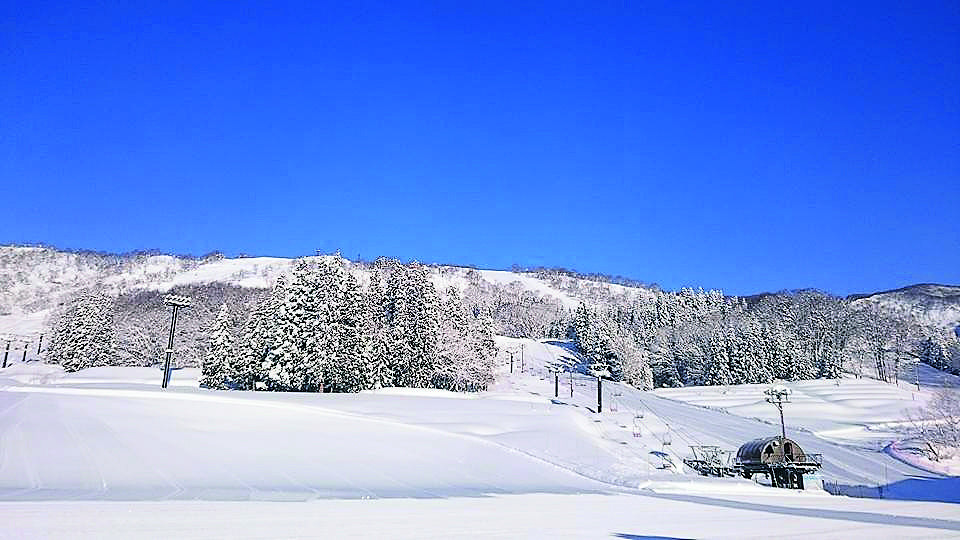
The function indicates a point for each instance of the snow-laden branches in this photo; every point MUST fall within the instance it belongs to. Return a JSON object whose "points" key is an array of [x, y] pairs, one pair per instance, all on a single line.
{"points": [[937, 425]]}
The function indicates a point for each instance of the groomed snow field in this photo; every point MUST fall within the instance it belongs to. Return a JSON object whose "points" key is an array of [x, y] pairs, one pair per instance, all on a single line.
{"points": [[106, 453]]}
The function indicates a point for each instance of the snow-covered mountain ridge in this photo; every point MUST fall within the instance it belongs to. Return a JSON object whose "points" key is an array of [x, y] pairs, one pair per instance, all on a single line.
{"points": [[929, 303], [35, 280]]}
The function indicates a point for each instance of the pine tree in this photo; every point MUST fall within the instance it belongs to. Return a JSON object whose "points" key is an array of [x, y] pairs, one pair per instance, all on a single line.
{"points": [[933, 351], [466, 348], [718, 367], [214, 368], [83, 335], [831, 364], [399, 316], [757, 354], [425, 329], [377, 331], [307, 302], [282, 343], [738, 358], [454, 353], [245, 368], [798, 368], [347, 366], [636, 365], [485, 351]]}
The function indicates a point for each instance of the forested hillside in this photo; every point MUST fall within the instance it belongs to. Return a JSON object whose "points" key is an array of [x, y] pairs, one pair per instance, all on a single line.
{"points": [[337, 325]]}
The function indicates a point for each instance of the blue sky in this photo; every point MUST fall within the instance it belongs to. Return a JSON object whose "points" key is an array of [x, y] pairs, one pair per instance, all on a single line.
{"points": [[759, 147]]}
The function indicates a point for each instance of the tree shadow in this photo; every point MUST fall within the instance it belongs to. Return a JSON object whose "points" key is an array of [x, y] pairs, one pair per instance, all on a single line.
{"points": [[910, 489], [645, 537]]}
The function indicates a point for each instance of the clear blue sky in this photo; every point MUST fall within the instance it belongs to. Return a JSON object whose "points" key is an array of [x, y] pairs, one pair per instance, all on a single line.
{"points": [[746, 148]]}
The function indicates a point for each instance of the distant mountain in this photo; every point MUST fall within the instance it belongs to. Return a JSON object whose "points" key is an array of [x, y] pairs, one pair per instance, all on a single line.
{"points": [[35, 280], [929, 290], [930, 303]]}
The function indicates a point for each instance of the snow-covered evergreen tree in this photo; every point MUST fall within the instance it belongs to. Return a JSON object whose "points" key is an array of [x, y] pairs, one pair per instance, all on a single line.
{"points": [[343, 338], [464, 359], [245, 369], [378, 336], [401, 324], [798, 368], [424, 332], [215, 370], [933, 351], [83, 335], [635, 362], [282, 363], [718, 367], [454, 350], [774, 347], [757, 355], [738, 356]]}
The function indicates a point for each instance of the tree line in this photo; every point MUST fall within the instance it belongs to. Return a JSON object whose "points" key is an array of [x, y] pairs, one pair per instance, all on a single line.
{"points": [[704, 338], [332, 325], [317, 330]]}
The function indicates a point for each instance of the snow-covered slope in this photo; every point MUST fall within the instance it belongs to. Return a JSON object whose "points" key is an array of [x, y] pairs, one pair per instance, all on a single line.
{"points": [[854, 418], [419, 462], [627, 446], [853, 410], [931, 304]]}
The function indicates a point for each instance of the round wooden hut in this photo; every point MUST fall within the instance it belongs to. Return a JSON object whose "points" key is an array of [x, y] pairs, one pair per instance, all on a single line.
{"points": [[770, 451], [780, 458]]}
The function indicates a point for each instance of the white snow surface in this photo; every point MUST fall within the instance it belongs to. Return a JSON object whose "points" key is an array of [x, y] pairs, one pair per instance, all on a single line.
{"points": [[848, 410], [105, 452], [555, 516]]}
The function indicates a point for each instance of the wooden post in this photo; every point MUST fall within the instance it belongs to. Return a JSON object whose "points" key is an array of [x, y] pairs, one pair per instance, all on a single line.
{"points": [[556, 384]]}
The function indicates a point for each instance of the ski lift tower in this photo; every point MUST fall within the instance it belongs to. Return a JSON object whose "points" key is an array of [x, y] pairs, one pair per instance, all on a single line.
{"points": [[599, 371], [177, 302], [778, 394]]}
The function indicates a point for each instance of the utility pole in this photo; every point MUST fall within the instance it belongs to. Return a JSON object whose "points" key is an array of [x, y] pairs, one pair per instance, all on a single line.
{"points": [[39, 343], [26, 345], [556, 384], [6, 353], [177, 302], [511, 362], [571, 382], [778, 395]]}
